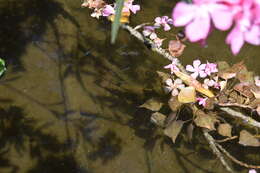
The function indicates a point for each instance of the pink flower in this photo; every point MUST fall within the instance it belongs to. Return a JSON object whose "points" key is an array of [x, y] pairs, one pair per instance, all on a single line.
{"points": [[150, 31], [202, 101], [158, 41], [247, 28], [129, 6], [108, 10], [164, 21], [172, 66], [197, 69], [211, 83], [252, 171], [257, 81], [197, 17], [173, 86], [210, 68]]}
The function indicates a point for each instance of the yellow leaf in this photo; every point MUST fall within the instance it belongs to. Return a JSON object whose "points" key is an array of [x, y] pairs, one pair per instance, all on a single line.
{"points": [[187, 95]]}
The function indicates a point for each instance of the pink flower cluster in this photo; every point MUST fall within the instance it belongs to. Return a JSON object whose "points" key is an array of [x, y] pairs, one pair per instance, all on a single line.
{"points": [[243, 15], [163, 21], [128, 6], [201, 70]]}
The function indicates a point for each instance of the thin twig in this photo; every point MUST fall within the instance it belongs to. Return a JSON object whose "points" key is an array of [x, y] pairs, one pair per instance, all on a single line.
{"points": [[235, 160], [226, 139], [236, 105], [216, 151], [237, 114]]}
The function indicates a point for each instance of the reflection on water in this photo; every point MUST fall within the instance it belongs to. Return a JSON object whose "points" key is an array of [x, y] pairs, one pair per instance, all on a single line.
{"points": [[69, 99]]}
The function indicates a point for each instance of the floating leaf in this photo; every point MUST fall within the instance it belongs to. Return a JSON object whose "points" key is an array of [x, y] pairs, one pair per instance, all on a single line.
{"points": [[158, 118], [152, 104], [247, 139], [2, 66], [188, 80], [225, 129], [187, 95], [174, 129], [174, 104], [205, 120], [176, 47]]}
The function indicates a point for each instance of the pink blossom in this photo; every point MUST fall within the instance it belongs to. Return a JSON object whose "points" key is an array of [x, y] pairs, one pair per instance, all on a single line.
{"points": [[158, 41], [150, 31], [252, 171], [257, 81], [202, 101], [197, 17], [173, 86], [108, 10], [197, 69], [246, 29], [211, 83], [129, 6], [164, 21], [210, 68], [173, 66]]}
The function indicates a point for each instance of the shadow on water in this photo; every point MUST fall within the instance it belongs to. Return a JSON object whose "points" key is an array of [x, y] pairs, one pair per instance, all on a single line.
{"points": [[23, 22]]}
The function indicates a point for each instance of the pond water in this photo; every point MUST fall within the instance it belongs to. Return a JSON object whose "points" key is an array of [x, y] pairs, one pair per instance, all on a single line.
{"points": [[69, 99]]}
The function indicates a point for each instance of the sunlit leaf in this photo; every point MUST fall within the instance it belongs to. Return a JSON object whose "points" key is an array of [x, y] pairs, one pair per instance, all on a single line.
{"points": [[116, 22], [190, 81], [152, 104], [247, 139], [158, 118], [174, 129], [225, 129], [187, 95], [205, 120]]}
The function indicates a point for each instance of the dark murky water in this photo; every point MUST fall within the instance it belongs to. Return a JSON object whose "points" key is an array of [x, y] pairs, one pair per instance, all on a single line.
{"points": [[69, 99]]}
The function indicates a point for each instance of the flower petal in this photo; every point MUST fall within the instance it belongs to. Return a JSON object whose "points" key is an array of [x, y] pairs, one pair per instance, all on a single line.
{"points": [[253, 35], [222, 17], [195, 75], [183, 13], [236, 40], [196, 63], [198, 29], [190, 68]]}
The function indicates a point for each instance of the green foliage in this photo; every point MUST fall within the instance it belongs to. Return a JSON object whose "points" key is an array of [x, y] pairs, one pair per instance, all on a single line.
{"points": [[116, 22], [2, 66]]}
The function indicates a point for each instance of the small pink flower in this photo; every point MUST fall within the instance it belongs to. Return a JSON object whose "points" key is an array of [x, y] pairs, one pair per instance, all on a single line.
{"points": [[164, 21], [158, 41], [150, 31], [173, 66], [257, 81], [197, 69], [108, 10], [202, 101], [252, 171], [173, 86], [210, 68], [211, 83], [129, 6]]}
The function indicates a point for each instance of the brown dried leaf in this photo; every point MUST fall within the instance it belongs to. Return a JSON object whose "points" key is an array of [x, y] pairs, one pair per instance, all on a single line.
{"points": [[187, 95], [174, 104], [170, 118], [176, 47], [210, 103], [225, 129], [205, 120], [158, 119], [245, 76], [222, 65], [152, 104], [174, 129], [244, 89], [247, 139], [93, 3]]}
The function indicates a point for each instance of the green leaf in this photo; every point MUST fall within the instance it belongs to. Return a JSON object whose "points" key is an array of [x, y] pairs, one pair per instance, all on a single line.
{"points": [[116, 22], [2, 66]]}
